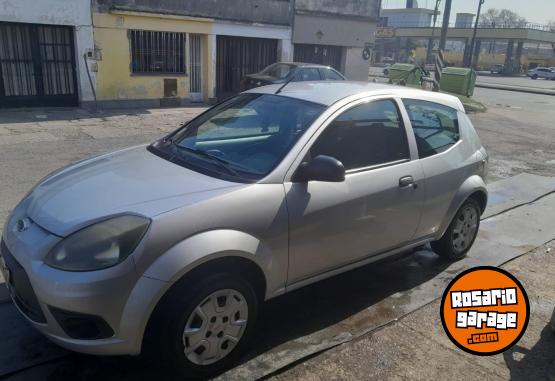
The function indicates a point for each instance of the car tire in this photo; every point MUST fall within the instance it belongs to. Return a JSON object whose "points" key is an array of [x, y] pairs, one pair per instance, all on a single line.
{"points": [[535, 76], [179, 314], [461, 233]]}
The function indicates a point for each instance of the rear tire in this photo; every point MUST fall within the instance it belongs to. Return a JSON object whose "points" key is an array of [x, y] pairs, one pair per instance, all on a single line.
{"points": [[461, 233], [199, 330], [535, 76]]}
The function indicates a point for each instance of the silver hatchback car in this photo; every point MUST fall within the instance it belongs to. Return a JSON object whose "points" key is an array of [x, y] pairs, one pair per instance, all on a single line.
{"points": [[176, 244]]}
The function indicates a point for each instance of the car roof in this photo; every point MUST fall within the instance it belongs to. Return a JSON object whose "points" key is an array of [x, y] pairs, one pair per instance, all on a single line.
{"points": [[305, 64], [329, 92]]}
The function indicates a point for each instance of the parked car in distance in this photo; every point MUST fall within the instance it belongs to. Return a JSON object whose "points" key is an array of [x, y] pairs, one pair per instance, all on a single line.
{"points": [[388, 61], [541, 72], [176, 244], [282, 72], [497, 69]]}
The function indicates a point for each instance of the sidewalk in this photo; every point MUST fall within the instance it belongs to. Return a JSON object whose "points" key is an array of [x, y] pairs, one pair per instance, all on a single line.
{"points": [[416, 348]]}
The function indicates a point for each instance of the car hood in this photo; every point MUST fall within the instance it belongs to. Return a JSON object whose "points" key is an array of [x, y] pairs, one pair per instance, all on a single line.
{"points": [[127, 181]]}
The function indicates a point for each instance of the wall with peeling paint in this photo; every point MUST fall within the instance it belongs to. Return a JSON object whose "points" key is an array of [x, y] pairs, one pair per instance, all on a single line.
{"points": [[76, 13], [114, 78]]}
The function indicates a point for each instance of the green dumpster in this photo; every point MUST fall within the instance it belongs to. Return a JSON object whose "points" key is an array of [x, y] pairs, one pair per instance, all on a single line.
{"points": [[406, 75], [458, 80]]}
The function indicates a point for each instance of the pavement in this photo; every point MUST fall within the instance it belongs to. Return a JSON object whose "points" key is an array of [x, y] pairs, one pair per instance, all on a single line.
{"points": [[416, 348], [520, 137]]}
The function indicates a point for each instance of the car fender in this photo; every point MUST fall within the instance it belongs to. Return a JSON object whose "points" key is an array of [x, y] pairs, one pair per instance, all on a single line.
{"points": [[176, 263], [471, 185], [206, 246]]}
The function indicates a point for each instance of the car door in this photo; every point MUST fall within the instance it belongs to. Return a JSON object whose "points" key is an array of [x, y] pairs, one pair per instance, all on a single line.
{"points": [[375, 209], [446, 162]]}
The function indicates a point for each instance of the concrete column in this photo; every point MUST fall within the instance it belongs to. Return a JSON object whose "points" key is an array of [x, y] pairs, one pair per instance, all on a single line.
{"points": [[476, 57], [509, 62], [518, 58], [211, 80], [285, 50], [397, 49], [466, 54]]}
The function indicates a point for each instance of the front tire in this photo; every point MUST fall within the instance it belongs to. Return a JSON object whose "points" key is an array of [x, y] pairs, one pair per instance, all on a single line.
{"points": [[461, 233], [535, 76], [204, 326]]}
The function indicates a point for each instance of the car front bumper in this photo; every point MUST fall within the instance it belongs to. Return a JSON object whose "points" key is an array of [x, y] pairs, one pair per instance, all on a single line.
{"points": [[102, 313]]}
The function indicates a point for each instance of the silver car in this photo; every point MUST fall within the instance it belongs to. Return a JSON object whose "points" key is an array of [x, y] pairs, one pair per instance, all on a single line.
{"points": [[176, 244]]}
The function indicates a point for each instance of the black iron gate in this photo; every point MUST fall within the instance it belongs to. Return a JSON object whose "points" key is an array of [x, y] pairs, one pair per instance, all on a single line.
{"points": [[37, 65], [237, 56], [319, 54]]}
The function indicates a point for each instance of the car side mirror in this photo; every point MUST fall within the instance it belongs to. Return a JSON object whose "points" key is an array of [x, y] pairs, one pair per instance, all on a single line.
{"points": [[321, 168]]}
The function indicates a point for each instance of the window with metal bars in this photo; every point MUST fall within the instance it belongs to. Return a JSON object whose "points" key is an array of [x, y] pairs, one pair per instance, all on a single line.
{"points": [[157, 52]]}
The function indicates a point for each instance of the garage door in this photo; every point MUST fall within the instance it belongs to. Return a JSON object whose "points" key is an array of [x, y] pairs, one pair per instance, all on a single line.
{"points": [[319, 54], [37, 65], [237, 56]]}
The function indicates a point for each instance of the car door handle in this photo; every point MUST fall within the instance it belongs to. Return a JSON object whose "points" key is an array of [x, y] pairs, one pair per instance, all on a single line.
{"points": [[407, 182]]}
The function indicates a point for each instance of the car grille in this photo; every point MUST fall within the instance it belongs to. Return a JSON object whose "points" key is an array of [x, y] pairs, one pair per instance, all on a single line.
{"points": [[20, 287]]}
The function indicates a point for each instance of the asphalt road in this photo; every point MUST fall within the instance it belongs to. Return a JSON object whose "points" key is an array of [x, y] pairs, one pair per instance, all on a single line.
{"points": [[518, 132], [521, 81]]}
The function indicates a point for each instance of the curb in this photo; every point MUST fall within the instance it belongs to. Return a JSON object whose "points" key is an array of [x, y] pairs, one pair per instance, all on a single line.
{"points": [[516, 88]]}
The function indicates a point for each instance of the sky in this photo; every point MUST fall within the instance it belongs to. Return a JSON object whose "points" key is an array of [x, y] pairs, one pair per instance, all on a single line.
{"points": [[535, 11]]}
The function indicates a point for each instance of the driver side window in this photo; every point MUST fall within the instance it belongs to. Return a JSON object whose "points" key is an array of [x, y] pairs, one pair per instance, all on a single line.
{"points": [[366, 135]]}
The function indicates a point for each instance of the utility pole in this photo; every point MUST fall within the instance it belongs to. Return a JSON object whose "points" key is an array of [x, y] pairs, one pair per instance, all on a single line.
{"points": [[445, 27], [473, 43], [431, 41]]}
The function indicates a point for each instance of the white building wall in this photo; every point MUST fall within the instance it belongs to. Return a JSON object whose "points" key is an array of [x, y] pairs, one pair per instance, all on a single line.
{"points": [[76, 13]]}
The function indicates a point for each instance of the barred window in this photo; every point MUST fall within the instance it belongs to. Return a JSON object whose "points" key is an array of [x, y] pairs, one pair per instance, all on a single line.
{"points": [[157, 52]]}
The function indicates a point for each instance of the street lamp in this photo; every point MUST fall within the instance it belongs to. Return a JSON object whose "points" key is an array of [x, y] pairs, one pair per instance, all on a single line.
{"points": [[472, 44]]}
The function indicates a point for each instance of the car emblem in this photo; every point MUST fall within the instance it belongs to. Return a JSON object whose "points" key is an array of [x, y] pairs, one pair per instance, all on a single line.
{"points": [[23, 225]]}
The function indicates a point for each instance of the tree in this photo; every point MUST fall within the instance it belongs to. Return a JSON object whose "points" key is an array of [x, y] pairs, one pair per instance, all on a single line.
{"points": [[501, 18]]}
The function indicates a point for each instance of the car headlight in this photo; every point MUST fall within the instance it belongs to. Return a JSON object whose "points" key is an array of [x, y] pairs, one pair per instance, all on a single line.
{"points": [[99, 246]]}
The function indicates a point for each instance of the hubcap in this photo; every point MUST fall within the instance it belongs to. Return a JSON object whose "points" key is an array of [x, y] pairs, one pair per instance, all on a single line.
{"points": [[215, 327], [466, 225]]}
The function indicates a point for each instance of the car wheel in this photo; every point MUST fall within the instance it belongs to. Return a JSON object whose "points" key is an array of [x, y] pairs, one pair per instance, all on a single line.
{"points": [[204, 326], [461, 233], [535, 76]]}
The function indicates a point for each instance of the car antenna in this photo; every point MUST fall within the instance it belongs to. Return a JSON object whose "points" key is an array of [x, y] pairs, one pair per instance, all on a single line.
{"points": [[285, 84]]}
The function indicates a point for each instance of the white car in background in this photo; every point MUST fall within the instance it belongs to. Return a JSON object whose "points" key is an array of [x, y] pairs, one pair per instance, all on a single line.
{"points": [[542, 72]]}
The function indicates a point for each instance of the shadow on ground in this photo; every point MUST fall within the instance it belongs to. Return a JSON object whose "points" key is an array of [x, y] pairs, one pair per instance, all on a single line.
{"points": [[537, 363], [283, 319]]}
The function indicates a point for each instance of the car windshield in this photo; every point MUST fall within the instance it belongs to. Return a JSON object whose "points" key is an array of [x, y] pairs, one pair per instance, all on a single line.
{"points": [[244, 138], [279, 70]]}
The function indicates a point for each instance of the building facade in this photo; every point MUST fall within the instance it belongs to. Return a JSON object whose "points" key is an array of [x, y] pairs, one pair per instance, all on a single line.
{"points": [[167, 53], [45, 51], [336, 33], [150, 53]]}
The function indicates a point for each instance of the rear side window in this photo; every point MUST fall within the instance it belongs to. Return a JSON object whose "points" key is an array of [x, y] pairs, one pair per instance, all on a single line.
{"points": [[330, 75], [366, 135], [308, 75], [436, 127]]}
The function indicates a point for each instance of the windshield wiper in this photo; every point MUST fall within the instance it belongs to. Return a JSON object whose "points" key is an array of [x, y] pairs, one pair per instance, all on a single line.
{"points": [[226, 165]]}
